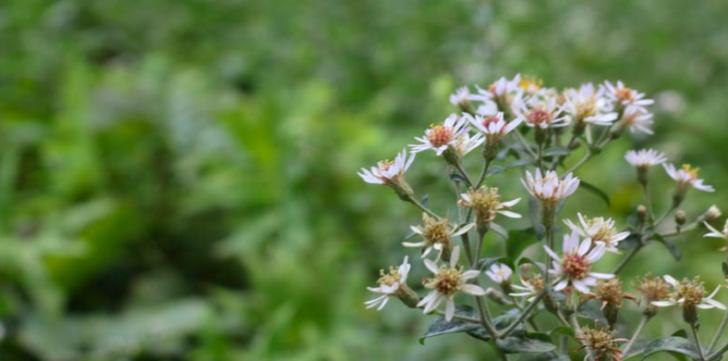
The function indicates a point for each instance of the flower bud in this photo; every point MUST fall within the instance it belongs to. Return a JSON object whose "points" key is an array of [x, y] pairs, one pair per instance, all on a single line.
{"points": [[407, 296], [642, 213], [680, 217], [712, 214]]}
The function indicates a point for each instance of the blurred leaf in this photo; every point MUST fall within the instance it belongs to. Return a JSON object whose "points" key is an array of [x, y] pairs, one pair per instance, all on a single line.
{"points": [[670, 245], [671, 344], [526, 343], [596, 191], [518, 241], [499, 230], [442, 327]]}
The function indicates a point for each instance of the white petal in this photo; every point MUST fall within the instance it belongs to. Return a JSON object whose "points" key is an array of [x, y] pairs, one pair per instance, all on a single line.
{"points": [[431, 265], [472, 289], [449, 309]]}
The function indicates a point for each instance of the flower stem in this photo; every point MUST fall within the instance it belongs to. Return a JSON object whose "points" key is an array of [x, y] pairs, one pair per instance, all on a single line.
{"points": [[483, 174], [524, 314], [421, 206], [636, 334], [694, 331], [627, 259], [720, 331]]}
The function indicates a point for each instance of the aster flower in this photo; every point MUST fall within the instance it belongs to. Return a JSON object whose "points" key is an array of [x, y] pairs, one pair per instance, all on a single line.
{"points": [[588, 105], [625, 96], [391, 284], [529, 288], [499, 273], [687, 176], [644, 158], [465, 143], [437, 234], [549, 187], [601, 344], [441, 136], [638, 120], [690, 294], [448, 280], [498, 95], [540, 112], [391, 173], [599, 230], [461, 97], [486, 203], [388, 171], [493, 126], [574, 267]]}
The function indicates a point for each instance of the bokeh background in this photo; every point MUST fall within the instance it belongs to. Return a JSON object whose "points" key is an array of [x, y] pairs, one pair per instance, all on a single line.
{"points": [[178, 178]]}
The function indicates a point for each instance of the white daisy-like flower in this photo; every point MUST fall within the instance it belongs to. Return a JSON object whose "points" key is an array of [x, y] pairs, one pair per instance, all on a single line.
{"points": [[437, 235], [441, 136], [687, 176], [574, 267], [690, 294], [540, 111], [625, 96], [588, 105], [497, 95], [390, 284], [644, 158], [493, 126], [529, 288], [549, 187], [465, 143], [486, 203], [499, 273], [388, 172], [504, 86], [461, 96], [638, 120], [449, 279], [599, 230], [714, 233]]}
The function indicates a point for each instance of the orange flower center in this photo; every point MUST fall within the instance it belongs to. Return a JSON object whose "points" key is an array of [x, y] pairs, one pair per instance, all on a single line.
{"points": [[439, 135], [539, 116], [575, 266]]}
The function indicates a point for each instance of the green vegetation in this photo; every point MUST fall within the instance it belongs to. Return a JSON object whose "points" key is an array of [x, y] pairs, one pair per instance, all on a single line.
{"points": [[178, 178]]}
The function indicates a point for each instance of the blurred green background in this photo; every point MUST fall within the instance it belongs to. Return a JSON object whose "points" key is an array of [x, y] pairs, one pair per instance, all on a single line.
{"points": [[178, 178]]}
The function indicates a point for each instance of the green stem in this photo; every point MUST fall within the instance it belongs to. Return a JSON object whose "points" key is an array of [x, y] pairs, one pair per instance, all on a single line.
{"points": [[523, 315], [627, 259], [636, 334], [720, 331], [421, 206], [483, 174], [694, 332]]}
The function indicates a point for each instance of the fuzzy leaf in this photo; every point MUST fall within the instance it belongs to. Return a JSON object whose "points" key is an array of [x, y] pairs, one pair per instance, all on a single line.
{"points": [[671, 344], [526, 343]]}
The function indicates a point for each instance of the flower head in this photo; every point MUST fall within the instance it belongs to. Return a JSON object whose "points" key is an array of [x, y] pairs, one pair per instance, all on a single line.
{"points": [[529, 288], [574, 267], [465, 143], [461, 97], [389, 284], [549, 187], [601, 343], [486, 203], [687, 176], [625, 96], [691, 295], [653, 289], [387, 171], [493, 126], [448, 280], [436, 234], [588, 105], [440, 137], [638, 120], [644, 158], [499, 273], [541, 112], [599, 230]]}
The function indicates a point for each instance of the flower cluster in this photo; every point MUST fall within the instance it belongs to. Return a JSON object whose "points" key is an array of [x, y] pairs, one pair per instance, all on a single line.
{"points": [[520, 123]]}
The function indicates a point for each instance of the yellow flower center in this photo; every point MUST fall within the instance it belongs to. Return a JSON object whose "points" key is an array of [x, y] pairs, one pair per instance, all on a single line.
{"points": [[439, 135], [389, 278], [447, 281], [575, 266], [691, 171]]}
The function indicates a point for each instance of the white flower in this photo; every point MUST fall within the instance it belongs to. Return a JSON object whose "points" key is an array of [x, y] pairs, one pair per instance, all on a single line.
{"points": [[540, 111], [503, 86], [486, 203], [441, 136], [714, 233], [625, 96], [448, 280], [589, 105], [529, 288], [687, 176], [465, 143], [639, 120], [493, 126], [461, 96], [574, 267], [389, 284], [644, 158], [549, 187], [437, 234], [499, 273], [598, 230], [689, 294], [386, 172]]}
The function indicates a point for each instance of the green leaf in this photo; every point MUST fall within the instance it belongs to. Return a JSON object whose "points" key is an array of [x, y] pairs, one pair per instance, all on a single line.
{"points": [[598, 192], [671, 344], [725, 268], [563, 330], [485, 263], [526, 343], [518, 241], [556, 151], [631, 242], [546, 356], [591, 310], [670, 245], [474, 329], [499, 230], [534, 215]]}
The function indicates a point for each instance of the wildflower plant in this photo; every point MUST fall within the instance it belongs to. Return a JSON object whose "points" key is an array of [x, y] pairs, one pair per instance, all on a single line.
{"points": [[565, 302]]}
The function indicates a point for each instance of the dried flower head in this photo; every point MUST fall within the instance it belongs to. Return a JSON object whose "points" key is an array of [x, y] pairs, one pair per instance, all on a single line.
{"points": [[653, 289], [448, 280], [486, 203], [437, 234], [599, 230], [390, 283], [690, 294], [601, 344]]}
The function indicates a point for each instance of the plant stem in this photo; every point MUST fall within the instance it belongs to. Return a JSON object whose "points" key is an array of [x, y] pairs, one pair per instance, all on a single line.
{"points": [[627, 259], [485, 318], [720, 331], [483, 174], [524, 314], [421, 206], [637, 332], [459, 167], [694, 332], [581, 162]]}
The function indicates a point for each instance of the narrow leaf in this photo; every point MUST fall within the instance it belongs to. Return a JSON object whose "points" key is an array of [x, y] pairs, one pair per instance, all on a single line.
{"points": [[596, 191]]}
